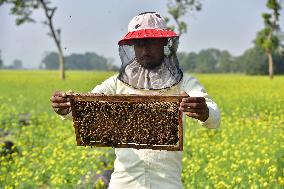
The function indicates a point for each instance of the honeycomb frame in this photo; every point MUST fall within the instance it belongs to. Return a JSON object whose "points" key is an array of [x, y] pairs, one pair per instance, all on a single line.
{"points": [[151, 104]]}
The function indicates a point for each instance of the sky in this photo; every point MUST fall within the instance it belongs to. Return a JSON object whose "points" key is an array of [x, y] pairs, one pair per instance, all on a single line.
{"points": [[97, 26]]}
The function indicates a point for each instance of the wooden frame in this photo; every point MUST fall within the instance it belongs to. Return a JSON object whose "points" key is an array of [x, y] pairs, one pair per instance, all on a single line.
{"points": [[84, 115]]}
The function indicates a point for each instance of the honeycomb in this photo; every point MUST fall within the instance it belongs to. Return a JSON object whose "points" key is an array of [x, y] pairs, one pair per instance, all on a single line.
{"points": [[127, 121]]}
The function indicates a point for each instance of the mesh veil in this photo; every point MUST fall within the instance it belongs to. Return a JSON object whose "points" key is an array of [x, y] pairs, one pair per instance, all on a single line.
{"points": [[163, 76]]}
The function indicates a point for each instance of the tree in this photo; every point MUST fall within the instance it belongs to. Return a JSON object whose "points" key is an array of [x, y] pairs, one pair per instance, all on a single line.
{"points": [[50, 61], [178, 9], [23, 11], [87, 61], [187, 61], [75, 61], [267, 39], [206, 61], [252, 62], [225, 62], [1, 62], [17, 64]]}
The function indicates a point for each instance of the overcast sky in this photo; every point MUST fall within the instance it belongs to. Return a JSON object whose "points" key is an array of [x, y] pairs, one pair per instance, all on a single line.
{"points": [[96, 26]]}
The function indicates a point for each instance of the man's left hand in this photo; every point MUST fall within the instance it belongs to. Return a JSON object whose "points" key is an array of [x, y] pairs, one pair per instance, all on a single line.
{"points": [[194, 107]]}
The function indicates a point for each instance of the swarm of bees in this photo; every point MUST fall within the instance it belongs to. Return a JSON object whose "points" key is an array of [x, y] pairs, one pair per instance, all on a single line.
{"points": [[127, 121]]}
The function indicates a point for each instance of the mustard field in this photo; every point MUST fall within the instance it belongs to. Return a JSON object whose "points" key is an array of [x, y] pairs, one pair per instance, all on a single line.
{"points": [[247, 151]]}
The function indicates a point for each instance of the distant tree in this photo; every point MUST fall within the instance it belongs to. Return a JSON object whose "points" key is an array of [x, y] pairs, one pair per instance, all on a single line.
{"points": [[110, 65], [280, 36], [17, 64], [179, 8], [207, 61], [87, 61], [182, 58], [225, 62], [1, 61], [267, 39], [210, 61], [253, 62], [187, 61], [278, 60], [23, 10], [50, 61]]}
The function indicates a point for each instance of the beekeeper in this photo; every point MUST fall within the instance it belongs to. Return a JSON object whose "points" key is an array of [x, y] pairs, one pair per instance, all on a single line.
{"points": [[149, 66]]}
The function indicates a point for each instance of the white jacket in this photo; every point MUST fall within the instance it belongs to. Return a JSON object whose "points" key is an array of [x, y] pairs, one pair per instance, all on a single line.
{"points": [[146, 168]]}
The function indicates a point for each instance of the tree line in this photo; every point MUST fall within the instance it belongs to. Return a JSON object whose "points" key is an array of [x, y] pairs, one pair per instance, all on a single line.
{"points": [[267, 41], [76, 61], [252, 62]]}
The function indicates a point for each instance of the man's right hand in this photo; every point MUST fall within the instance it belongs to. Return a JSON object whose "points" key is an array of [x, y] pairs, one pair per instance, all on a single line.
{"points": [[60, 103]]}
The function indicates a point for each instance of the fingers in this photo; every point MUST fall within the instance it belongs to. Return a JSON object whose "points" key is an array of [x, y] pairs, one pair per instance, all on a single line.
{"points": [[198, 108], [191, 110], [194, 99], [62, 111], [192, 105], [193, 115], [59, 93], [60, 102], [59, 97], [199, 114], [61, 105]]}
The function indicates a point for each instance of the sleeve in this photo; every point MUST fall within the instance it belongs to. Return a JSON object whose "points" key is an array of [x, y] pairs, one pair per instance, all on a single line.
{"points": [[194, 89], [106, 87]]}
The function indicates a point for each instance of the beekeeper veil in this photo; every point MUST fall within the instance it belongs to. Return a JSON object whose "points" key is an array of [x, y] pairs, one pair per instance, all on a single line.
{"points": [[147, 29]]}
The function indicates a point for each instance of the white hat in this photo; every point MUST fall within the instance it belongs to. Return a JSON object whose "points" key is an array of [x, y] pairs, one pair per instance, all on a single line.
{"points": [[147, 25]]}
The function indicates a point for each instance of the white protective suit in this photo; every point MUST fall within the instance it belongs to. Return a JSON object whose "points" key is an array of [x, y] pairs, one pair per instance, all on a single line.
{"points": [[146, 168]]}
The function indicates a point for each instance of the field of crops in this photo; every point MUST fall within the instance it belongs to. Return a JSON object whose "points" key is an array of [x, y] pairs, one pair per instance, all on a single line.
{"points": [[246, 152]]}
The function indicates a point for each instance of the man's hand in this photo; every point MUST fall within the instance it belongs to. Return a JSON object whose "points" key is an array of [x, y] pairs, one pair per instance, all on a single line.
{"points": [[60, 103], [194, 107]]}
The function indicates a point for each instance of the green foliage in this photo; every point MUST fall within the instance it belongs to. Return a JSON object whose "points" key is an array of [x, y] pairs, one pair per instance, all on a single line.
{"points": [[187, 60], [1, 61], [253, 62], [246, 152], [226, 63], [179, 8], [50, 61], [87, 61], [268, 44], [274, 5], [266, 38], [22, 9], [206, 61]]}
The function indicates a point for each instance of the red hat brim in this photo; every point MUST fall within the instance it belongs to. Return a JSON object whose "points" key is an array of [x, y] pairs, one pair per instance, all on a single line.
{"points": [[147, 33]]}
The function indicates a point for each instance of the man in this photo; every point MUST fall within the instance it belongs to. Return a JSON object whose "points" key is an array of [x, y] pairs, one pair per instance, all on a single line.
{"points": [[150, 67]]}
